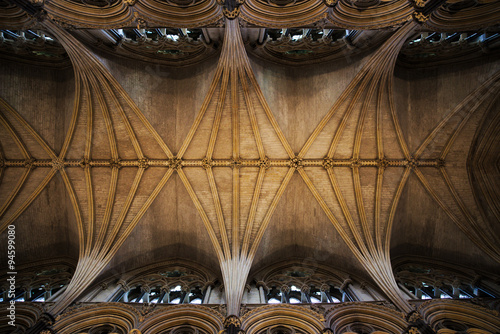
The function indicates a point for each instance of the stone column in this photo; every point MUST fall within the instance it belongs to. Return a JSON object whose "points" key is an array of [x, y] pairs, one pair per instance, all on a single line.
{"points": [[206, 297], [262, 296]]}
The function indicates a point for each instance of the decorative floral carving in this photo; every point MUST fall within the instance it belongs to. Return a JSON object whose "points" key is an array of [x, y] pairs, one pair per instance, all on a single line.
{"points": [[420, 17], [130, 2], [414, 330], [421, 3], [414, 316], [232, 320], [330, 3]]}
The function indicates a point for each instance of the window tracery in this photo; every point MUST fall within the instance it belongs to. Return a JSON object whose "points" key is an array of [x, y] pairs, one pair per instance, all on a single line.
{"points": [[427, 281], [295, 284], [39, 284], [163, 283]]}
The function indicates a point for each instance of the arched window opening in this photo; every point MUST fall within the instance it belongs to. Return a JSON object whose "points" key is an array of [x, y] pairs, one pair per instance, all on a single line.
{"points": [[334, 295], [156, 295], [176, 295], [195, 295], [274, 296], [135, 295], [315, 295], [37, 295], [294, 295]]}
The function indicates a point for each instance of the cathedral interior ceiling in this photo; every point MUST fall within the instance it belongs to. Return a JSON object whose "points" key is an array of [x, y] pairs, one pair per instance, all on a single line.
{"points": [[348, 161]]}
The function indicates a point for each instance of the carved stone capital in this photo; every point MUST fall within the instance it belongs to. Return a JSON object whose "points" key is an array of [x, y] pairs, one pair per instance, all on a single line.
{"points": [[130, 2], [285, 288]]}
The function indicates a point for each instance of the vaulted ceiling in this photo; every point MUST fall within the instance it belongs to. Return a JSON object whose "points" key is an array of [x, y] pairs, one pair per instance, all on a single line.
{"points": [[344, 158]]}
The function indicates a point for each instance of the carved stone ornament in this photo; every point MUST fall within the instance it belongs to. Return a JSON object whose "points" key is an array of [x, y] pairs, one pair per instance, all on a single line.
{"points": [[355, 163], [143, 163], [141, 24], [130, 2], [232, 320], [421, 3], [207, 163], [29, 163], [236, 163], [330, 3], [327, 331], [296, 163], [414, 316], [2, 163], [411, 163], [327, 163], [115, 163], [58, 163], [383, 163], [231, 8], [37, 2], [264, 163], [420, 17], [84, 163], [414, 330]]}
